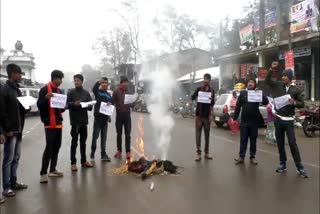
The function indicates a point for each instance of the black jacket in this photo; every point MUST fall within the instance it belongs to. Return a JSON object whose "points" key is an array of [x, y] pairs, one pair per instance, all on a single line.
{"points": [[279, 89], [250, 111], [44, 106], [12, 112], [101, 96], [78, 115], [204, 109]]}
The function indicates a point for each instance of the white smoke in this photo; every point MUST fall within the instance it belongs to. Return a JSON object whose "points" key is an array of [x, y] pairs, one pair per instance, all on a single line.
{"points": [[162, 87]]}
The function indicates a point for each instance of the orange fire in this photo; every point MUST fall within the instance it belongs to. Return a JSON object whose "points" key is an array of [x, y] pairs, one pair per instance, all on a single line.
{"points": [[138, 148]]}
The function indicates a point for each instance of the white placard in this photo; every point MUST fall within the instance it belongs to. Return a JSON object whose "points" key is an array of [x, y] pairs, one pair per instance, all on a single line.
{"points": [[58, 101], [129, 98], [204, 97], [254, 96], [86, 104], [27, 101], [106, 109], [282, 101], [270, 99]]}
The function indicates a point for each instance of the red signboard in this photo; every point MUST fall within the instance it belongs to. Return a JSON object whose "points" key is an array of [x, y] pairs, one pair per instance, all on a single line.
{"points": [[289, 60]]}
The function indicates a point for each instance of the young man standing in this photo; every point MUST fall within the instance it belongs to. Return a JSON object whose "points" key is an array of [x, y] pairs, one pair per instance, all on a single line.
{"points": [[250, 121], [284, 121], [12, 124], [203, 114], [123, 117], [100, 91], [52, 120], [79, 121]]}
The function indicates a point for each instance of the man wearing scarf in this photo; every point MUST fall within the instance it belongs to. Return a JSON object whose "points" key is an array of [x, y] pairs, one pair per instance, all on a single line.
{"points": [[123, 117], [203, 117], [52, 120]]}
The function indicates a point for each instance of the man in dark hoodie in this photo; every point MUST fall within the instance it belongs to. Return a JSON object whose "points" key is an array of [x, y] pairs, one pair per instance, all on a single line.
{"points": [[13, 116], [284, 122], [100, 91], [203, 117], [52, 120], [123, 117], [79, 121], [250, 121]]}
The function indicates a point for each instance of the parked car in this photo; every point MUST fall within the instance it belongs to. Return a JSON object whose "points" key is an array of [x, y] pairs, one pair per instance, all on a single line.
{"points": [[33, 92], [222, 110]]}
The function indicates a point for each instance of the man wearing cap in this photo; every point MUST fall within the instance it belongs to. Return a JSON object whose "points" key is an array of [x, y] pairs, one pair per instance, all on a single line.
{"points": [[284, 122], [123, 117], [203, 117], [13, 115]]}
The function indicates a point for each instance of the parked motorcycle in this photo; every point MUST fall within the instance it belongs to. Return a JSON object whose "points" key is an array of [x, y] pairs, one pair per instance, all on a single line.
{"points": [[188, 109], [311, 122]]}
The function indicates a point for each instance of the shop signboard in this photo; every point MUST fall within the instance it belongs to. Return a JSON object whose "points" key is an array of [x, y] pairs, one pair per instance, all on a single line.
{"points": [[298, 52], [246, 34], [289, 60]]}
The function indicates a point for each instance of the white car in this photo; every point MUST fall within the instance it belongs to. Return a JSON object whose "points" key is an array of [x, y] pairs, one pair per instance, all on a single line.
{"points": [[33, 92]]}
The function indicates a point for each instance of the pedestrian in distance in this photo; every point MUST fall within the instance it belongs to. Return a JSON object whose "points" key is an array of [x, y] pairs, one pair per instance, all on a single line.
{"points": [[52, 120], [203, 117], [13, 116], [284, 120], [100, 124], [79, 121], [251, 118]]}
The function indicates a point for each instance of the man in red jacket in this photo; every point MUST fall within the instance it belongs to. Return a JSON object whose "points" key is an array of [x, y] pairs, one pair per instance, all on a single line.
{"points": [[123, 117]]}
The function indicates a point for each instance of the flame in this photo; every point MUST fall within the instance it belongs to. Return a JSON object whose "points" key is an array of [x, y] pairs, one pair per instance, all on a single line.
{"points": [[139, 144]]}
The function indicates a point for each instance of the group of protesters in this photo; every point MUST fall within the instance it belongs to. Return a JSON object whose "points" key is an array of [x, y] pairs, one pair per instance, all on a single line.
{"points": [[281, 120], [12, 116]]}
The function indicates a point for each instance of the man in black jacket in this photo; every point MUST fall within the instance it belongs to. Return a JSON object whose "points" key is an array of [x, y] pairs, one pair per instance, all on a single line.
{"points": [[52, 120], [284, 122], [250, 121], [100, 91], [203, 114], [13, 115], [79, 121]]}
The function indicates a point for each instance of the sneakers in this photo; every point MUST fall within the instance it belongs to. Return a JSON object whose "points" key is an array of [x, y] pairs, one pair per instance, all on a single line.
{"points": [[55, 174], [253, 161], [105, 158], [128, 155], [198, 158], [281, 168], [44, 179], [118, 155], [19, 186], [74, 168], [8, 193], [302, 172], [207, 157], [87, 165], [239, 161]]}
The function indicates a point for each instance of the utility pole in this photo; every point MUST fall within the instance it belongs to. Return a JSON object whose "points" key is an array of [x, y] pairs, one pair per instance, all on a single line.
{"points": [[262, 37]]}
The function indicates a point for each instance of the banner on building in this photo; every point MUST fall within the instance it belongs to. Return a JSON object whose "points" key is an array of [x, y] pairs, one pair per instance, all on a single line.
{"points": [[298, 52], [246, 34], [303, 16], [270, 20], [289, 60]]}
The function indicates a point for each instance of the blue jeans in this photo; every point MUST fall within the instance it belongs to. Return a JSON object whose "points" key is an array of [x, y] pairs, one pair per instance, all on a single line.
{"points": [[11, 156]]}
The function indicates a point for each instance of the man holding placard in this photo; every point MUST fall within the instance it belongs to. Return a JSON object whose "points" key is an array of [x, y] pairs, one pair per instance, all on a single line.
{"points": [[123, 116], [287, 98], [101, 120], [79, 121], [248, 103], [205, 101], [51, 104], [13, 116]]}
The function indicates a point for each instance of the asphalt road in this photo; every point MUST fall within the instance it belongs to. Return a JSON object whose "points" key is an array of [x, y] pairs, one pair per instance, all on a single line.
{"points": [[216, 186]]}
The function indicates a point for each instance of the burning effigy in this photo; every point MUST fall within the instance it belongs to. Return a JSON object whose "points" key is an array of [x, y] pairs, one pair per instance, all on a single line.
{"points": [[143, 167]]}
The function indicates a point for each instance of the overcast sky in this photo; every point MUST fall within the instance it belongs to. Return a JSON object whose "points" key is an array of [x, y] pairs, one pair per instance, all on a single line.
{"points": [[60, 33]]}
